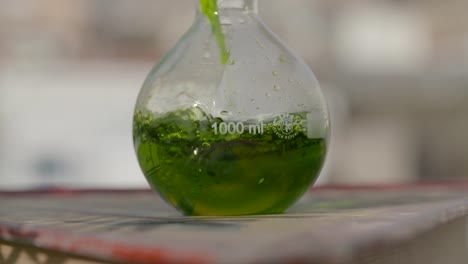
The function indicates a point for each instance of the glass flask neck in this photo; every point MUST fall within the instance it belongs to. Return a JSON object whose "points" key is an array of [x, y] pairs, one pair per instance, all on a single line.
{"points": [[250, 6]]}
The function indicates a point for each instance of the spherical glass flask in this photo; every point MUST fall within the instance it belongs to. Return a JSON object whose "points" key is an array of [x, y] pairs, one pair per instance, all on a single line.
{"points": [[230, 122]]}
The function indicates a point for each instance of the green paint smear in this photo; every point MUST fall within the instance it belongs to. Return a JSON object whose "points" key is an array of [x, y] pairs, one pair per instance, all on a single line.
{"points": [[210, 9], [200, 172]]}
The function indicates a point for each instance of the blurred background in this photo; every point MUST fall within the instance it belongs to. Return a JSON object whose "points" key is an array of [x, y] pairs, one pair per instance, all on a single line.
{"points": [[395, 74]]}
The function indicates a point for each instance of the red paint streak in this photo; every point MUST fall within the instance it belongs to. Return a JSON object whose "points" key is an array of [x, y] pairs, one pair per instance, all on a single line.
{"points": [[462, 185], [3, 232], [17, 232], [148, 255], [335, 187], [71, 192], [23, 234], [78, 245], [101, 248]]}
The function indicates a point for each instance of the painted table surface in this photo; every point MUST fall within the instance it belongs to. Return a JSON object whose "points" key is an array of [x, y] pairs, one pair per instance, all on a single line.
{"points": [[329, 225]]}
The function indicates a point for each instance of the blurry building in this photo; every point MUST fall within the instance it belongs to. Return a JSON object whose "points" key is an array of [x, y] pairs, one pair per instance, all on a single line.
{"points": [[394, 73]]}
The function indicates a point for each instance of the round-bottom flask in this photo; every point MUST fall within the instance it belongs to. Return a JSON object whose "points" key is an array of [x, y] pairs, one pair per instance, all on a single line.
{"points": [[230, 122]]}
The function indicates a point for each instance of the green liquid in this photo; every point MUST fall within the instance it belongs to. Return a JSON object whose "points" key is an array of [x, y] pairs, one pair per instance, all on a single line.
{"points": [[203, 173]]}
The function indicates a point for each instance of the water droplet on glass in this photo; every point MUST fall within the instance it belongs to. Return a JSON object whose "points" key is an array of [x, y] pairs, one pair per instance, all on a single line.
{"points": [[259, 43], [261, 180], [252, 101], [224, 112], [226, 22], [290, 80], [276, 88], [233, 62], [275, 73], [282, 59], [258, 108], [267, 94]]}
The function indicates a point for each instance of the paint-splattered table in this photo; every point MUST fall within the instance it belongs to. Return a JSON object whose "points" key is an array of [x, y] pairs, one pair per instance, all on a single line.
{"points": [[423, 223]]}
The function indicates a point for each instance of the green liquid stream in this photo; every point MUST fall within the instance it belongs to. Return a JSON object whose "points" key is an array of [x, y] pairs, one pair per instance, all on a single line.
{"points": [[210, 10]]}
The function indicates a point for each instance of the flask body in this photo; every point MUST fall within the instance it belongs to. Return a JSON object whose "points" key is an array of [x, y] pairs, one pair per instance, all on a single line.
{"points": [[247, 135]]}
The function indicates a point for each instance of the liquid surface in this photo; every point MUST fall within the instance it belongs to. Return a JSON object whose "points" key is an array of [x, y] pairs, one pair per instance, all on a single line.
{"points": [[201, 171]]}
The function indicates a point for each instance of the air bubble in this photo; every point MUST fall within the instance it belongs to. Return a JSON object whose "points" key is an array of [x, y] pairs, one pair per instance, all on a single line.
{"points": [[276, 88]]}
